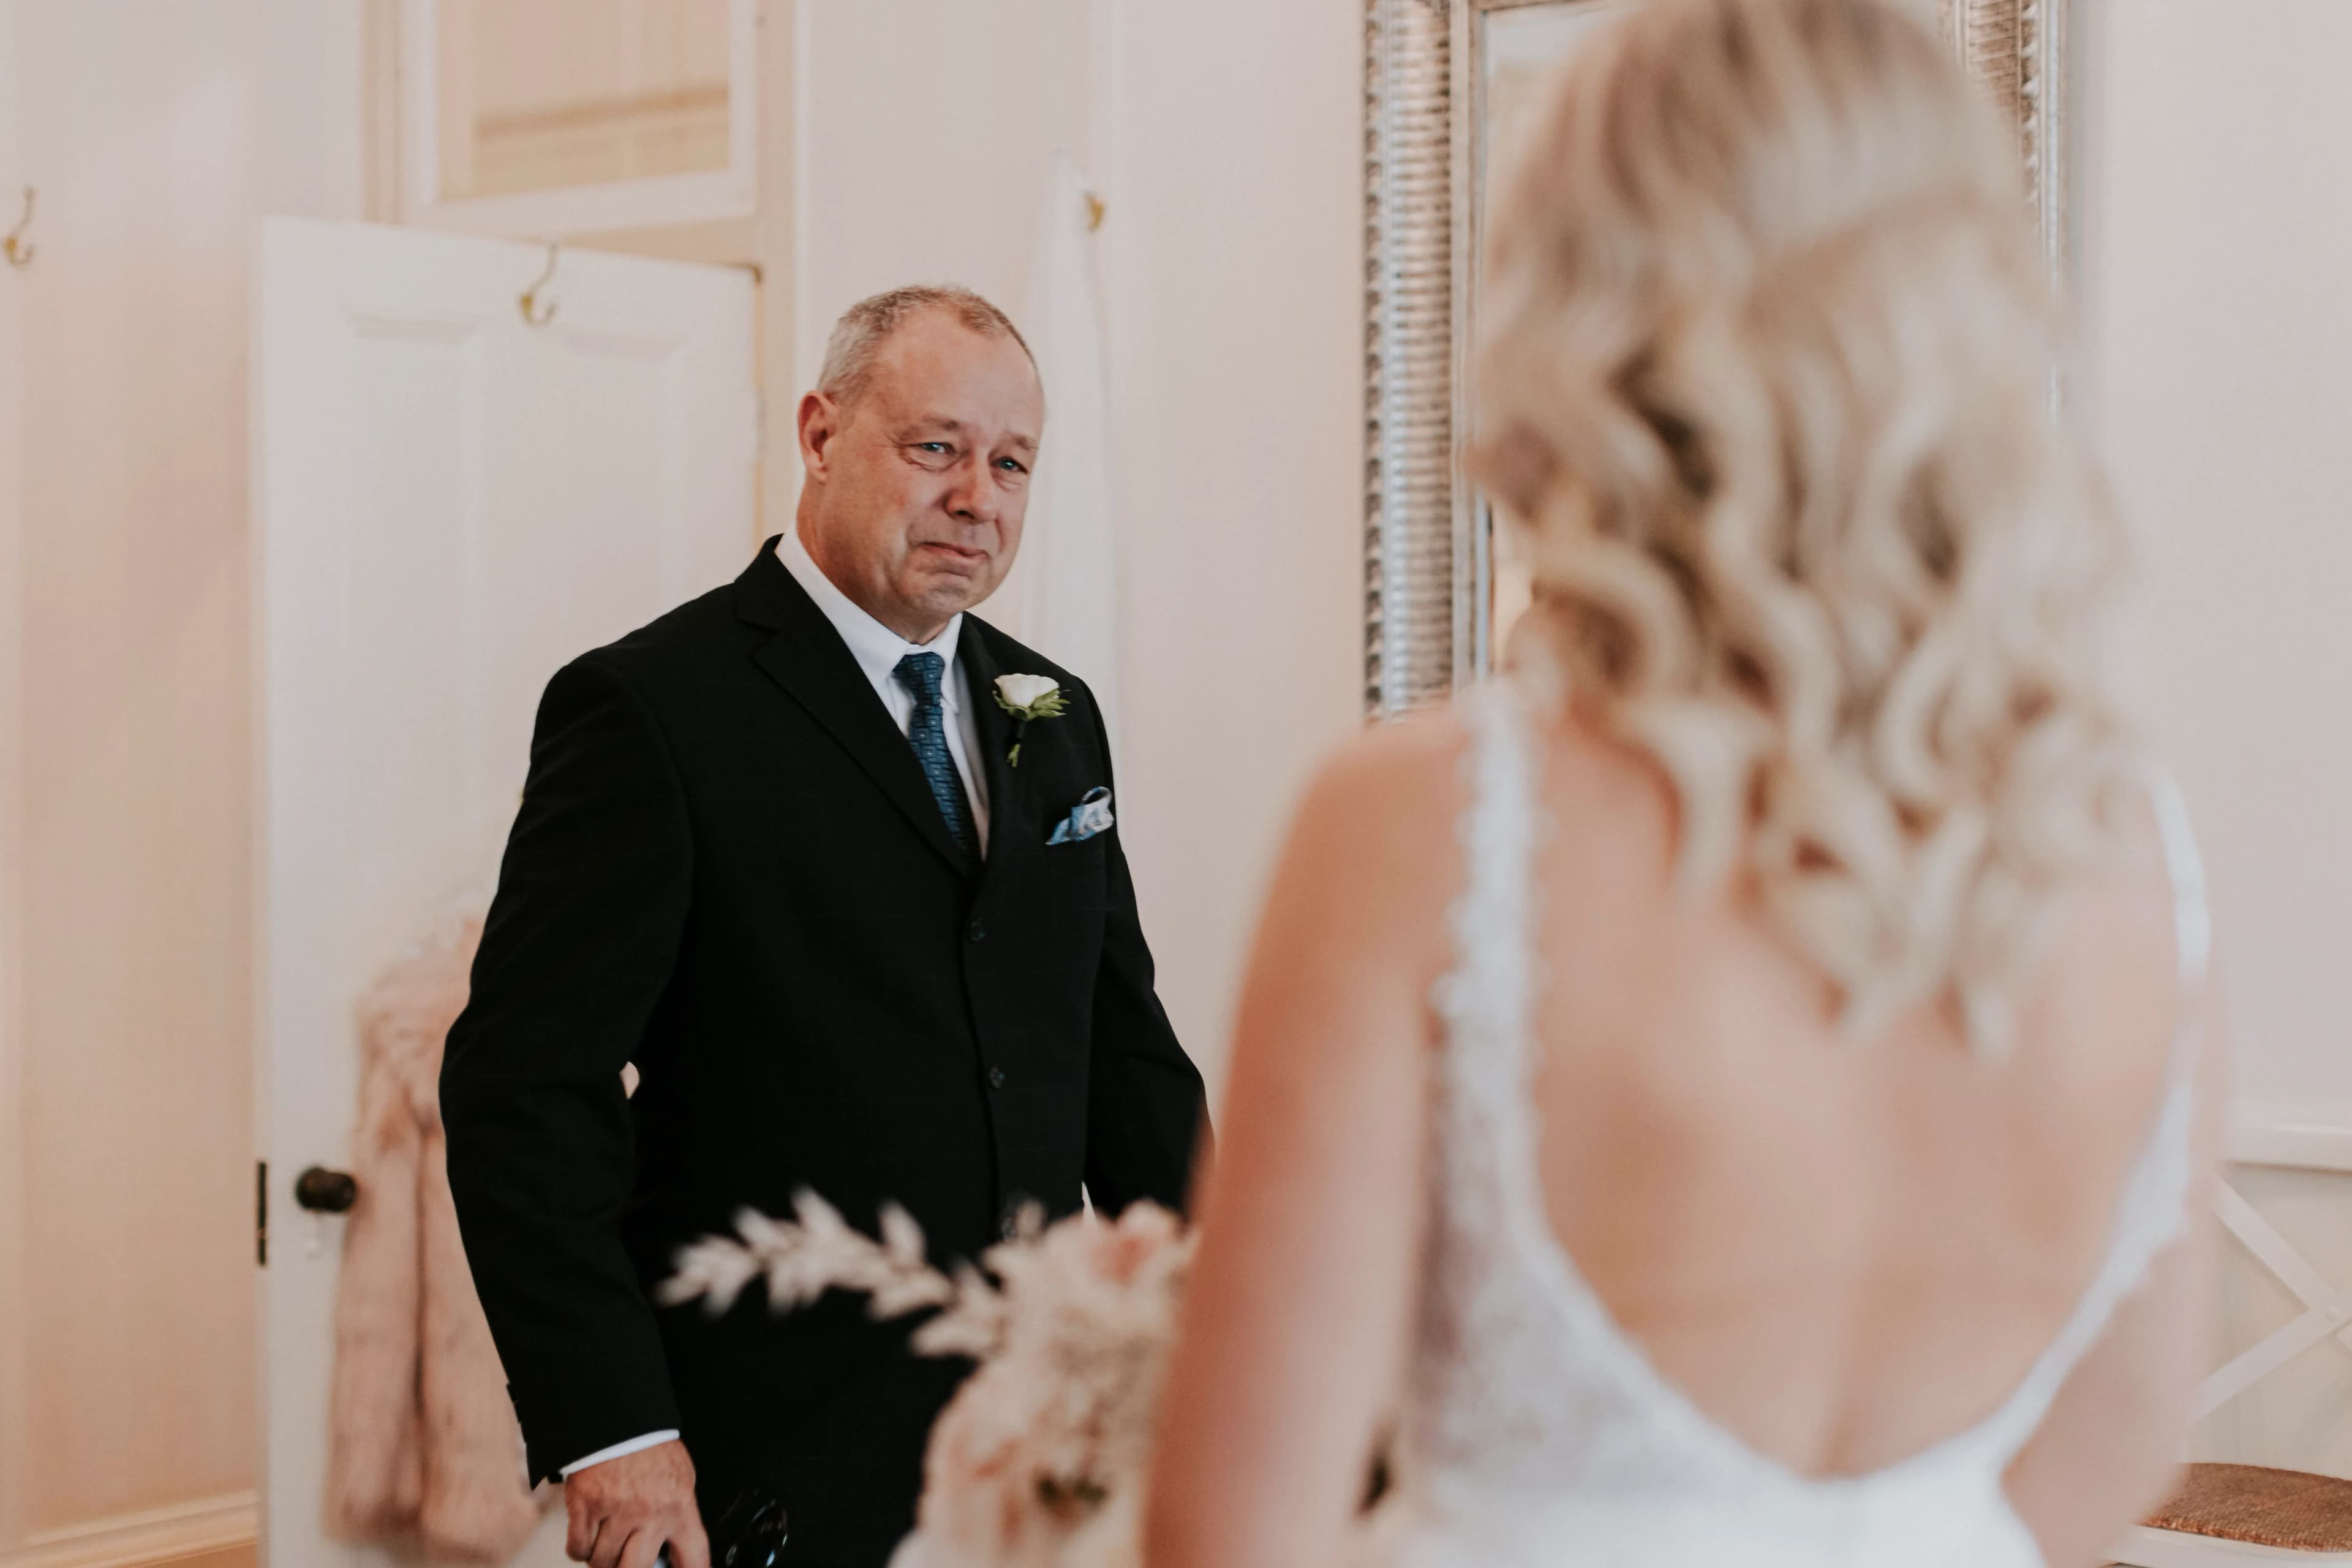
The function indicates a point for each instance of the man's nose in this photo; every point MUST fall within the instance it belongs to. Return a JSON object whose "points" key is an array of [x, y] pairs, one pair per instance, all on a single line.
{"points": [[974, 497]]}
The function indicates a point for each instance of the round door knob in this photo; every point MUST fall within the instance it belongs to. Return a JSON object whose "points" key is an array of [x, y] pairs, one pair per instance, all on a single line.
{"points": [[322, 1191]]}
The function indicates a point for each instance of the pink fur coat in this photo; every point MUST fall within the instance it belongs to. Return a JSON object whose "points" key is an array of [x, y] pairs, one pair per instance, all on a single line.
{"points": [[424, 1447]]}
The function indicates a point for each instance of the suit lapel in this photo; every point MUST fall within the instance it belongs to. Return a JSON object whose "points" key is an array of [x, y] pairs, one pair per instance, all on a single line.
{"points": [[1009, 828], [807, 658]]}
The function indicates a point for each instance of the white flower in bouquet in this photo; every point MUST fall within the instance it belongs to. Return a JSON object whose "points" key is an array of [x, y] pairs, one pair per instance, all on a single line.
{"points": [[1038, 1461]]}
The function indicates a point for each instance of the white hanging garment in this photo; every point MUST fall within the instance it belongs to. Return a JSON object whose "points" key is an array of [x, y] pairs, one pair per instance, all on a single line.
{"points": [[1069, 592]]}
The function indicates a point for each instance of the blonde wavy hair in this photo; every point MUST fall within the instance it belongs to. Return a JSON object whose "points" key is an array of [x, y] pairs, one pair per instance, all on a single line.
{"points": [[1765, 386]]}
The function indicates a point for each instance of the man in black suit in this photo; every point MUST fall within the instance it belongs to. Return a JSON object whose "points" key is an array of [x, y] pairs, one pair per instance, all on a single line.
{"points": [[776, 851]]}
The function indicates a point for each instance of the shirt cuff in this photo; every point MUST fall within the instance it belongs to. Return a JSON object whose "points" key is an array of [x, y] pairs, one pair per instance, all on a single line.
{"points": [[634, 1445]]}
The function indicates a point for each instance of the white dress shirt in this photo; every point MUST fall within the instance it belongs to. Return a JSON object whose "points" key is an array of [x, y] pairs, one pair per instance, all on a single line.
{"points": [[634, 1445], [877, 650]]}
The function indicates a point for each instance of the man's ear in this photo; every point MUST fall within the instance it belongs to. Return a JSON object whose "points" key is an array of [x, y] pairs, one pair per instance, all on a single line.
{"points": [[821, 420]]}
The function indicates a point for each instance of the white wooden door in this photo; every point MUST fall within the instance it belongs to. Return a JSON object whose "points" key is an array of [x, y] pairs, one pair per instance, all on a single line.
{"points": [[448, 503]]}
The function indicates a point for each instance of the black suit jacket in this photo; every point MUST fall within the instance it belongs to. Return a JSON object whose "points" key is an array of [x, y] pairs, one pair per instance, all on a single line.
{"points": [[729, 870]]}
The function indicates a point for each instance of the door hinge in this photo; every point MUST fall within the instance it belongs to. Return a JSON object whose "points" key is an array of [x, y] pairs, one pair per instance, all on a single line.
{"points": [[261, 1214]]}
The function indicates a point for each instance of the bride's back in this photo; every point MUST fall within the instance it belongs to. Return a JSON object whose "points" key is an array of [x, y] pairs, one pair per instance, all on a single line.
{"points": [[1807, 1016], [1843, 1252], [1853, 932]]}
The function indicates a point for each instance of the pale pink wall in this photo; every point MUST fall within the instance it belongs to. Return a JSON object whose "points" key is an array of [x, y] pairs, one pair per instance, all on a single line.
{"points": [[2221, 377], [15, 1440], [139, 125], [2217, 296], [923, 133], [1236, 251], [156, 131]]}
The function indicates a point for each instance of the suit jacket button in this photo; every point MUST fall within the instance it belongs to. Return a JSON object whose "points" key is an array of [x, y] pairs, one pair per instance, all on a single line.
{"points": [[976, 931], [996, 1078]]}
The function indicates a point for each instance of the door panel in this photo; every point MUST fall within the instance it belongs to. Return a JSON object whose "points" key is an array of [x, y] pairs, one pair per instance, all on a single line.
{"points": [[450, 502]]}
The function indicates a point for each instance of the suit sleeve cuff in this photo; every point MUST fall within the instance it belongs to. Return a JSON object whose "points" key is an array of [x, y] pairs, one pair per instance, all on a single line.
{"points": [[634, 1445]]}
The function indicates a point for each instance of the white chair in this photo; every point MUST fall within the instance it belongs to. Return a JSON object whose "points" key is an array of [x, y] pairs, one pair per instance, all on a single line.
{"points": [[2258, 1507]]}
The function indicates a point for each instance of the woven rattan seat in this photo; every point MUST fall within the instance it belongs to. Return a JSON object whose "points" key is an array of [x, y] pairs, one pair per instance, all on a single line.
{"points": [[2282, 1509]]}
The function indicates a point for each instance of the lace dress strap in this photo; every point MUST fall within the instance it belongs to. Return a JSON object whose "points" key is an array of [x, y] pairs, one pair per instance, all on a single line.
{"points": [[1486, 995], [2154, 1207], [1487, 1374], [2192, 919]]}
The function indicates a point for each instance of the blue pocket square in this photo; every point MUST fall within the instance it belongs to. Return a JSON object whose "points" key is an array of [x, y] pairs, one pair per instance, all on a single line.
{"points": [[1089, 816]]}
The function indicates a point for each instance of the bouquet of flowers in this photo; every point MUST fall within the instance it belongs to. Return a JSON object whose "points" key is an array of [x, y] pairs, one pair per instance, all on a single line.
{"points": [[1038, 1460]]}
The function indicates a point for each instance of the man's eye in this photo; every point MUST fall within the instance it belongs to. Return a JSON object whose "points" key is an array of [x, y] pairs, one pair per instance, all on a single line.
{"points": [[1010, 466], [932, 446]]}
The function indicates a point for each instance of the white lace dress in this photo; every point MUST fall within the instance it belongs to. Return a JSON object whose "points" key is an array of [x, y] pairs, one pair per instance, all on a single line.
{"points": [[1538, 1433]]}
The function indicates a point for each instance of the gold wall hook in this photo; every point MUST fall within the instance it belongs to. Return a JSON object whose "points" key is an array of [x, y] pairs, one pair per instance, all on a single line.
{"points": [[1095, 212], [537, 311], [19, 250]]}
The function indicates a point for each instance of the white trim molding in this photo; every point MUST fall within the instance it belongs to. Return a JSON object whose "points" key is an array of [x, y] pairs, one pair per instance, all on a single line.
{"points": [[2305, 1137], [152, 1536], [655, 202]]}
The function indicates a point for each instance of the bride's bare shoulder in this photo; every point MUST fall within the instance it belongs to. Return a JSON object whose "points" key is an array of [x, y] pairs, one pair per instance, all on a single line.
{"points": [[1404, 772], [1378, 821], [1354, 921]]}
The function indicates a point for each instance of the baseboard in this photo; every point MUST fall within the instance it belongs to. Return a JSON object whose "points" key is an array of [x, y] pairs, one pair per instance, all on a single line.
{"points": [[143, 1540]]}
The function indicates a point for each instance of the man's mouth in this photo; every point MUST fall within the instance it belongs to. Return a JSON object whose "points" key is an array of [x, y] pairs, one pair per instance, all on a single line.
{"points": [[957, 553]]}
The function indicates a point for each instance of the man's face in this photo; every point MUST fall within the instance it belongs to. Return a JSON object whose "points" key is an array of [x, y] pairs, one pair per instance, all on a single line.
{"points": [[917, 489]]}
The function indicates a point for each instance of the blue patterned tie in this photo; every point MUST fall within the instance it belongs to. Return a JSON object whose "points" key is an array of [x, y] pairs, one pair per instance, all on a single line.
{"points": [[921, 674]]}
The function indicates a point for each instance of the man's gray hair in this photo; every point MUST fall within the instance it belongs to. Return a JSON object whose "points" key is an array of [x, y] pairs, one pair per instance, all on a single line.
{"points": [[857, 337]]}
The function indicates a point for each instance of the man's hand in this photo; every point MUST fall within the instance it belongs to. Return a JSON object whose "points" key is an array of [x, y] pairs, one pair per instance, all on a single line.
{"points": [[624, 1509]]}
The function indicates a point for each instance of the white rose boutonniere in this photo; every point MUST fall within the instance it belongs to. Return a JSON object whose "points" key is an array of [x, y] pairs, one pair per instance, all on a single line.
{"points": [[1028, 698]]}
